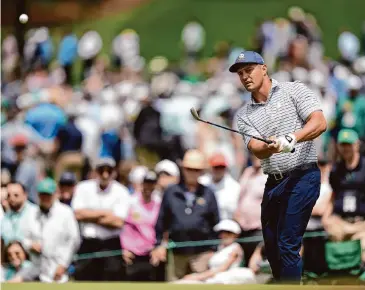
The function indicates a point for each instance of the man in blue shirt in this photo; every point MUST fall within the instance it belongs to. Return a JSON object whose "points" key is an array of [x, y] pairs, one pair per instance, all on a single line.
{"points": [[46, 119]]}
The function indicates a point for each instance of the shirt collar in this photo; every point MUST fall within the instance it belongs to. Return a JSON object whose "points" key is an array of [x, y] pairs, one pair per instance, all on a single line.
{"points": [[21, 210], [274, 84]]}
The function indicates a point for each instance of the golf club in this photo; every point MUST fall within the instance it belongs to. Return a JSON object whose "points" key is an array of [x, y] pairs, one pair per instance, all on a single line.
{"points": [[196, 117]]}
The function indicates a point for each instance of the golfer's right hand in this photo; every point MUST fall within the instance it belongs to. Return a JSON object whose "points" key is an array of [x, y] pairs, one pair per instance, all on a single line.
{"points": [[158, 255], [274, 147]]}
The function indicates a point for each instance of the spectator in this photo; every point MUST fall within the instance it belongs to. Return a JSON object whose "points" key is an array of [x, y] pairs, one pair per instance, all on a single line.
{"points": [[224, 265], [5, 180], [111, 145], [68, 148], [16, 260], [346, 217], [46, 119], [15, 126], [226, 189], [66, 187], [101, 206], [188, 212], [351, 108], [23, 169], [51, 247], [135, 178], [248, 211], [138, 235], [168, 174], [260, 265], [67, 54], [13, 225]]}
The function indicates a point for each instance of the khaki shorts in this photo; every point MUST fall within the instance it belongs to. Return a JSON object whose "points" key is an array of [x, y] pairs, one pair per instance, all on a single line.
{"points": [[182, 265]]}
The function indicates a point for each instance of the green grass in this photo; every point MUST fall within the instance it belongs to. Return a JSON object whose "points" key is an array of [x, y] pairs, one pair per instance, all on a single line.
{"points": [[157, 286]]}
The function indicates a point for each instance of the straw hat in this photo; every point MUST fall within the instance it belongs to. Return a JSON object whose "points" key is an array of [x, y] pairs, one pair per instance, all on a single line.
{"points": [[194, 159]]}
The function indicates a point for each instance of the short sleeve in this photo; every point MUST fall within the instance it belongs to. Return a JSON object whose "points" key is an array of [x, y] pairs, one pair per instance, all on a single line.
{"points": [[123, 203], [78, 199], [306, 100], [244, 127]]}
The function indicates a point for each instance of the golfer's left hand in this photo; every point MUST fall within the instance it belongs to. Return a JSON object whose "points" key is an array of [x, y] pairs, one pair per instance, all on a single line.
{"points": [[286, 143]]}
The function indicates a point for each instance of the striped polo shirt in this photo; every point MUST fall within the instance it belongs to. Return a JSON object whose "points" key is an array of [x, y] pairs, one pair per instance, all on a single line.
{"points": [[287, 108]]}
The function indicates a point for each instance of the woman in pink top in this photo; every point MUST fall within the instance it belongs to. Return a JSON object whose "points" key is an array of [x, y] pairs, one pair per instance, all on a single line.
{"points": [[248, 212], [138, 234]]}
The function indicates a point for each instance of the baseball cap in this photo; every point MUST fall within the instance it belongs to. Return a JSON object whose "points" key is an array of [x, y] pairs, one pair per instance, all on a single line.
{"points": [[68, 178], [347, 136], [47, 185], [218, 159], [194, 159], [19, 140], [167, 166], [228, 226], [105, 161], [150, 176], [244, 58], [137, 174]]}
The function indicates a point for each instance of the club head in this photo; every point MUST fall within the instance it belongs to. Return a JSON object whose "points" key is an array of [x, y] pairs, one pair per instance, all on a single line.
{"points": [[194, 113]]}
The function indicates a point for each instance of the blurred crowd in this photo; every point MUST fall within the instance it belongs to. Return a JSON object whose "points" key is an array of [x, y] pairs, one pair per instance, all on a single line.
{"points": [[116, 164]]}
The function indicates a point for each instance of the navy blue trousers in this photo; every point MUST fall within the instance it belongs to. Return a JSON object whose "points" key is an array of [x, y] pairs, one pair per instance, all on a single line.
{"points": [[285, 211]]}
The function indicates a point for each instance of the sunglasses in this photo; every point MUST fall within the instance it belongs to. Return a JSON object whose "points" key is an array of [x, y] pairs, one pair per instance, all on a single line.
{"points": [[193, 169], [220, 167], [101, 170], [19, 148]]}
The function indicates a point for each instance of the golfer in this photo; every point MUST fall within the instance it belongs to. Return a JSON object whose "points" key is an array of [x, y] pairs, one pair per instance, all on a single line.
{"points": [[289, 114]]}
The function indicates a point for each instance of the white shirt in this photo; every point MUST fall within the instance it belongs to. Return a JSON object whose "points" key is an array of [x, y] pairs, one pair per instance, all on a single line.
{"points": [[58, 234], [115, 198], [227, 193], [223, 254]]}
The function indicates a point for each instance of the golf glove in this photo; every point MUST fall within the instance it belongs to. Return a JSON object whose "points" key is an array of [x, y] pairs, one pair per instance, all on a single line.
{"points": [[287, 143]]}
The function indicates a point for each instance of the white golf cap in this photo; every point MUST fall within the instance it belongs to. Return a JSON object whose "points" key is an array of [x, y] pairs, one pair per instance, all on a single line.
{"points": [[167, 166], [137, 174], [354, 82], [228, 226]]}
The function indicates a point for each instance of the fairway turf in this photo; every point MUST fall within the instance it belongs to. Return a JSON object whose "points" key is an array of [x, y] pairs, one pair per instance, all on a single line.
{"points": [[166, 286]]}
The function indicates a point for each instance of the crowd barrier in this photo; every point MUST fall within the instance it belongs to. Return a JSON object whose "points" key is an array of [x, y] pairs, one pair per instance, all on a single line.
{"points": [[173, 245]]}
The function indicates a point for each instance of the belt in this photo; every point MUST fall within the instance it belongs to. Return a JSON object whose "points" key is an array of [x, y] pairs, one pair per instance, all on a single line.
{"points": [[281, 175]]}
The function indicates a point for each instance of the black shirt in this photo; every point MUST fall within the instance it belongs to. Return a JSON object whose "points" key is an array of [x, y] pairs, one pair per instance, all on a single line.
{"points": [[349, 189], [188, 222]]}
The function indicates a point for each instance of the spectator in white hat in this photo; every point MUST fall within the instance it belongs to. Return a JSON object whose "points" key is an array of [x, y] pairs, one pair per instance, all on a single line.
{"points": [[168, 173], [224, 265], [136, 177]]}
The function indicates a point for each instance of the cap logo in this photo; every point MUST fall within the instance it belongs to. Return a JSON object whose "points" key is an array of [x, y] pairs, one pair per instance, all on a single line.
{"points": [[241, 56], [346, 135]]}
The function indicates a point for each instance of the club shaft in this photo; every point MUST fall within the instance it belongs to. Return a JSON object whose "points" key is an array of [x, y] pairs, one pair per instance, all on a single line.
{"points": [[235, 131]]}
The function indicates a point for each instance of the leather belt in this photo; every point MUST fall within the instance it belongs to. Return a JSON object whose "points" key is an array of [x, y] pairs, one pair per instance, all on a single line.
{"points": [[281, 175]]}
